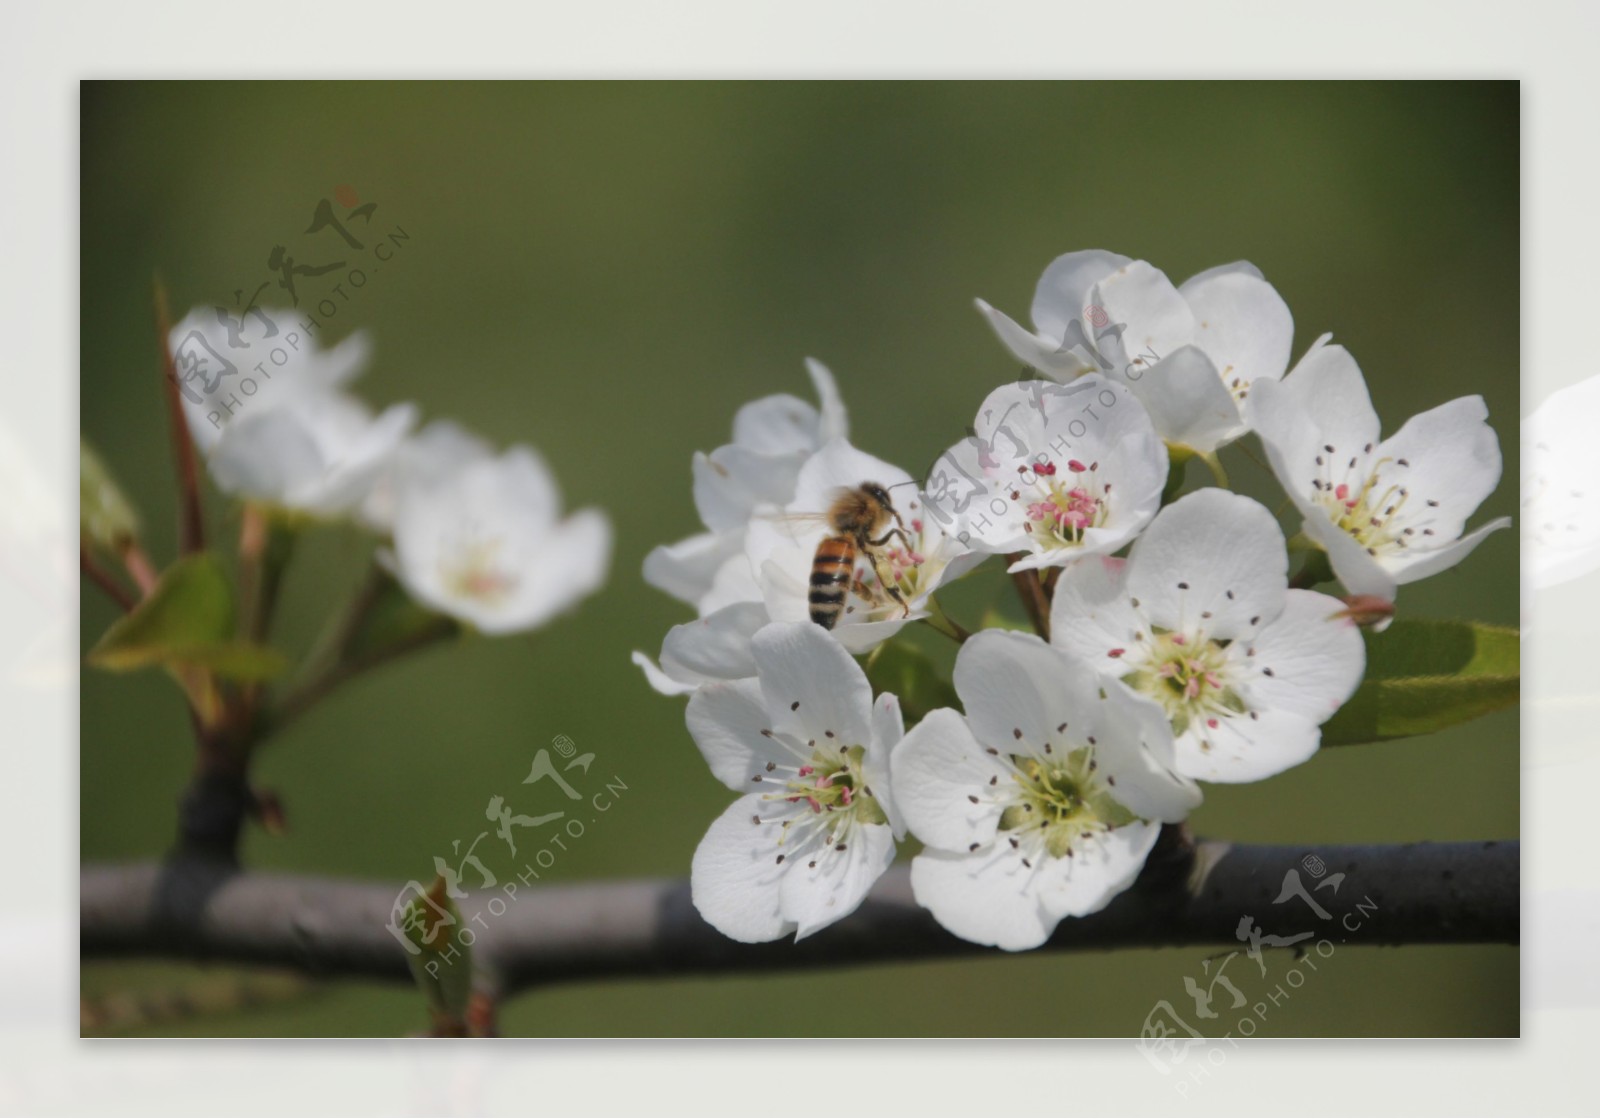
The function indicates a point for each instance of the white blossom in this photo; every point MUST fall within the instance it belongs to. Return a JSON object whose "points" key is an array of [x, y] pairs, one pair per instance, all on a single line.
{"points": [[269, 414], [781, 546], [1056, 472], [809, 750], [1560, 465], [1200, 619], [1040, 803], [772, 438], [1388, 511], [486, 544], [1191, 353]]}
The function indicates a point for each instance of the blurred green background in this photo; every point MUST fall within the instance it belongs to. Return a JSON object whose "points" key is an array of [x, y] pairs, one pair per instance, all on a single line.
{"points": [[606, 271]]}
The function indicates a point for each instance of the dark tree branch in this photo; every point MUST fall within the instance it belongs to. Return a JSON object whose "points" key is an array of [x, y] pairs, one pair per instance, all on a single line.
{"points": [[1419, 893]]}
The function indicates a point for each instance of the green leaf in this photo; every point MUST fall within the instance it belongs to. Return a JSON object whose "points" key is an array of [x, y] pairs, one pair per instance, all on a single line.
{"points": [[105, 515], [185, 622], [1423, 676], [909, 673]]}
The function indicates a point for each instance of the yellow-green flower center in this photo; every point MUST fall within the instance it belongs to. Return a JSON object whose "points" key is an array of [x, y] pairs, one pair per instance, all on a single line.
{"points": [[1189, 677], [1065, 801]]}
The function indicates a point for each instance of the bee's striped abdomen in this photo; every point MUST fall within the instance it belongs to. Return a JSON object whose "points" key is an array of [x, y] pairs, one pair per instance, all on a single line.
{"points": [[830, 579]]}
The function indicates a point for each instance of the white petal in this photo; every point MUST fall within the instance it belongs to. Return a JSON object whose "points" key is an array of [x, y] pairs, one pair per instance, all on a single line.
{"points": [[1090, 615], [1187, 401], [1327, 387], [1214, 553], [735, 880], [1155, 319], [1032, 350], [1244, 749], [1315, 654], [429, 457], [1135, 748], [1418, 563], [716, 647], [888, 730], [726, 720], [1095, 420], [996, 900], [811, 684], [1017, 690], [732, 584], [685, 569], [571, 564], [731, 481], [814, 897], [937, 768], [1359, 571], [834, 421], [1452, 458], [660, 681], [1237, 267], [776, 425], [839, 465], [1242, 323], [1560, 456], [1064, 288], [1098, 870], [266, 456], [982, 897]]}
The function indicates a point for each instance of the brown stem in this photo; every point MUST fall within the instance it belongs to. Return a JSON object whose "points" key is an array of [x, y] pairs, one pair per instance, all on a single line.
{"points": [[104, 579], [191, 529], [1035, 600], [139, 567], [318, 688]]}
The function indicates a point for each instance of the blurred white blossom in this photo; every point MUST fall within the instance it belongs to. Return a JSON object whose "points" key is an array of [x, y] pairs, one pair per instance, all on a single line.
{"points": [[486, 543], [1560, 465], [268, 412]]}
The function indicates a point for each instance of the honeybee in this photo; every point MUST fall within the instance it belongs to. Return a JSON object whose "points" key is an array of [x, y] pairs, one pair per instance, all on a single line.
{"points": [[857, 517]]}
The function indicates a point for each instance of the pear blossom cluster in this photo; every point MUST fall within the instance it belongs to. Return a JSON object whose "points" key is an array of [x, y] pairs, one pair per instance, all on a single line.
{"points": [[1175, 644], [472, 533]]}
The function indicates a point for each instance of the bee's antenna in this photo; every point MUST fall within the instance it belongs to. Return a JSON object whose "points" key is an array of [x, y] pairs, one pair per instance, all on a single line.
{"points": [[907, 482]]}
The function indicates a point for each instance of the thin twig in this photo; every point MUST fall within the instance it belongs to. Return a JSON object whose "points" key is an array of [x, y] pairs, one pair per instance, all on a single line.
{"points": [[319, 687], [1034, 599], [191, 529], [139, 567], [944, 623], [104, 579]]}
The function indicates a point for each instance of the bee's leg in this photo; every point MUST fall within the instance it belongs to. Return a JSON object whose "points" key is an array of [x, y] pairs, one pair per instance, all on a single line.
{"points": [[886, 537], [894, 593], [887, 584]]}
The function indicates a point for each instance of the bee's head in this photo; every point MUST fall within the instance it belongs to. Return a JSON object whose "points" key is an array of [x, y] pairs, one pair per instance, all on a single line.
{"points": [[876, 492]]}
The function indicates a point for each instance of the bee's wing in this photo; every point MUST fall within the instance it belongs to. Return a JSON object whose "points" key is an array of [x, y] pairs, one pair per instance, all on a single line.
{"points": [[795, 523]]}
